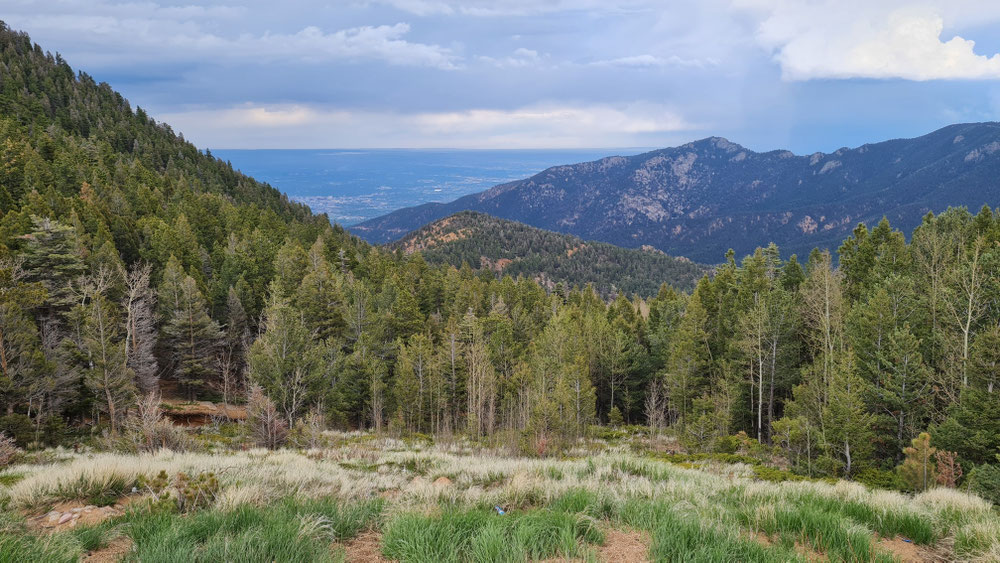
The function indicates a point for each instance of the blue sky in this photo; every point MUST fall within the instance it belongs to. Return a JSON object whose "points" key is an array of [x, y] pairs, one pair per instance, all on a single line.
{"points": [[806, 75]]}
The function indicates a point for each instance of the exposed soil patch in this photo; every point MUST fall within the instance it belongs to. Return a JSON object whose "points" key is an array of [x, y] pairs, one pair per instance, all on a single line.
{"points": [[67, 515], [624, 547], [365, 548], [199, 413], [70, 514], [114, 551], [809, 553], [909, 552]]}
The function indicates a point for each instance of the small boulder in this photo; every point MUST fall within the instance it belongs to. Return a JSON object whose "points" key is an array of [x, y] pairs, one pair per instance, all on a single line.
{"points": [[442, 481]]}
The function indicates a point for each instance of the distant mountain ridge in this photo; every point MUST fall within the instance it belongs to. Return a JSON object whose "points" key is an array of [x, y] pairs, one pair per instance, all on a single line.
{"points": [[702, 198], [509, 247]]}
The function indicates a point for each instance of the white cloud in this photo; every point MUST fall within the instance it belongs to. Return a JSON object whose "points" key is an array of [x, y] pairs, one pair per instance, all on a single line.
{"points": [[505, 8], [521, 57], [881, 39], [537, 126], [128, 32], [648, 61]]}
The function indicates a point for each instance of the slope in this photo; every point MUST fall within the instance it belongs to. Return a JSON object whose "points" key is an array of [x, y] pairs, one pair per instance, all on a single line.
{"points": [[508, 247], [702, 198]]}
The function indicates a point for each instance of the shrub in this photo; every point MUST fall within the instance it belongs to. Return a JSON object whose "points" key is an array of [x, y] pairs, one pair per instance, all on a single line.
{"points": [[147, 430], [918, 469], [8, 450], [266, 426], [949, 471], [615, 417], [880, 479], [19, 427], [184, 492], [985, 482], [726, 445], [308, 431]]}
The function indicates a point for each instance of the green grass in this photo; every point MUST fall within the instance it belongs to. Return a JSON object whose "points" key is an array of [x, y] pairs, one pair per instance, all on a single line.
{"points": [[17, 544], [683, 536], [484, 535], [286, 531], [8, 479]]}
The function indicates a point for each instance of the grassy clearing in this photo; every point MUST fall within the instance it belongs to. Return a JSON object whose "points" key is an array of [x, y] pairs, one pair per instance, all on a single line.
{"points": [[481, 535], [293, 506], [288, 531]]}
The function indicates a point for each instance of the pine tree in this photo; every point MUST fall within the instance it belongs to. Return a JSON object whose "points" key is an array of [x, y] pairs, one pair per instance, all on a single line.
{"points": [[848, 430], [919, 468], [22, 362], [286, 361], [320, 296], [52, 258], [412, 386], [904, 388], [107, 375], [235, 342], [191, 336], [686, 372]]}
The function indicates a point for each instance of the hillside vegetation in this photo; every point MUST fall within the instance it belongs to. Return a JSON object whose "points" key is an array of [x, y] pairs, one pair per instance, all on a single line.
{"points": [[134, 266], [515, 249], [700, 199]]}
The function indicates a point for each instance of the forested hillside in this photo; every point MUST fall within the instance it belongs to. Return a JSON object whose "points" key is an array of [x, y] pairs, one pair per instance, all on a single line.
{"points": [[515, 249], [133, 263], [702, 198]]}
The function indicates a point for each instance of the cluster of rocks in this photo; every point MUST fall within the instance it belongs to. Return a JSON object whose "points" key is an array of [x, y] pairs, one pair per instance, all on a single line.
{"points": [[69, 518]]}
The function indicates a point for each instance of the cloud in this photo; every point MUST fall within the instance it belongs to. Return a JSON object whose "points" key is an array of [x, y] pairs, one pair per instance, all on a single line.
{"points": [[650, 61], [537, 126], [520, 58], [508, 8], [116, 33], [884, 39]]}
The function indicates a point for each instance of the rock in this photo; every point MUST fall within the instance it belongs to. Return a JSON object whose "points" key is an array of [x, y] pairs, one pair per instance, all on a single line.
{"points": [[53, 516], [442, 481], [66, 517]]}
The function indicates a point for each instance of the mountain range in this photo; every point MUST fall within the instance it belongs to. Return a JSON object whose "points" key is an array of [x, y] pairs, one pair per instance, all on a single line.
{"points": [[509, 247], [700, 199]]}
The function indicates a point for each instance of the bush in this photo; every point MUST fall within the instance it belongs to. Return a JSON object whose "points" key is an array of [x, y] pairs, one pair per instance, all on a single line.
{"points": [[726, 445], [8, 450], [19, 427], [615, 417], [308, 431], [880, 479], [985, 482], [147, 430], [184, 492], [919, 469], [266, 427]]}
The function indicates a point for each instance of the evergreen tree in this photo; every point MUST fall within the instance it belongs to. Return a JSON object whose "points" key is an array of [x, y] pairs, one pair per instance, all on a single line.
{"points": [[848, 424], [190, 335], [52, 258], [22, 362], [107, 375], [286, 361]]}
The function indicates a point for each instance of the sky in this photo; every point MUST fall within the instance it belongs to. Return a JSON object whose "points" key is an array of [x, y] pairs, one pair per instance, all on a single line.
{"points": [[804, 75]]}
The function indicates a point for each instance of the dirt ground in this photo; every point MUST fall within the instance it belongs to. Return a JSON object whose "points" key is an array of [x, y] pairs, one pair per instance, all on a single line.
{"points": [[365, 548], [624, 547]]}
